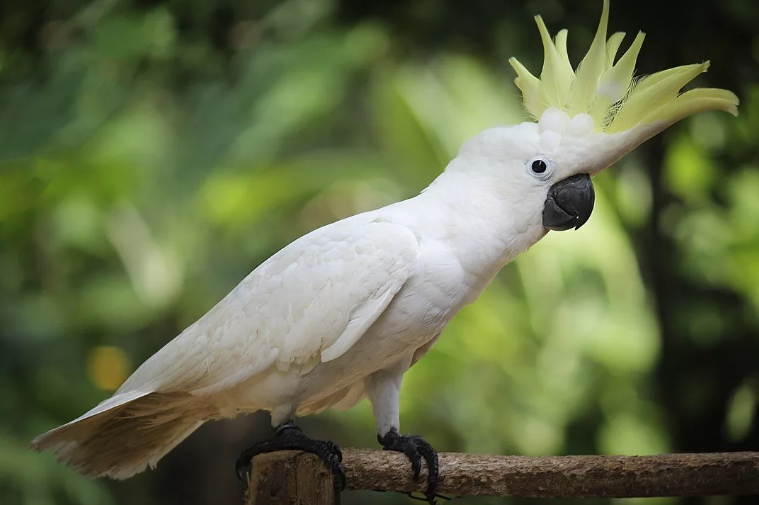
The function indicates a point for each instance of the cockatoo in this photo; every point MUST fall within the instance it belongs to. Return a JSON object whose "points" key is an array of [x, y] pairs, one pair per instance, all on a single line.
{"points": [[342, 313]]}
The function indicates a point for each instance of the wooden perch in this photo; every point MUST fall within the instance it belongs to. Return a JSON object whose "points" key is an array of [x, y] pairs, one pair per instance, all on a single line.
{"points": [[293, 477]]}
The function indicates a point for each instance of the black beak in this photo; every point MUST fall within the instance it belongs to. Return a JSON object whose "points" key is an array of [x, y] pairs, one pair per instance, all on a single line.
{"points": [[569, 203]]}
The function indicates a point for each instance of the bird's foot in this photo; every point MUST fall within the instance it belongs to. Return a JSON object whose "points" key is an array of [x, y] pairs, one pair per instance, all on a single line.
{"points": [[415, 448], [289, 437]]}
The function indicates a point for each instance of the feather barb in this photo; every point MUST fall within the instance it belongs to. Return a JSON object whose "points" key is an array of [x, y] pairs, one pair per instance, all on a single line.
{"points": [[608, 91]]}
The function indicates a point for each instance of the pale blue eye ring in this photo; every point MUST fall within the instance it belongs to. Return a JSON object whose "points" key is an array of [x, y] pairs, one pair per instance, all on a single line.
{"points": [[540, 167]]}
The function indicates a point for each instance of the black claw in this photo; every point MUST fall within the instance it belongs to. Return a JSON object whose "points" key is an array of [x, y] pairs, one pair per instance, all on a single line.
{"points": [[334, 449], [242, 470], [415, 448], [289, 437], [429, 499]]}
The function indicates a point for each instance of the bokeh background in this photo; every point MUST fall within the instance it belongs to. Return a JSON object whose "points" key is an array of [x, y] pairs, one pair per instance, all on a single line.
{"points": [[153, 152]]}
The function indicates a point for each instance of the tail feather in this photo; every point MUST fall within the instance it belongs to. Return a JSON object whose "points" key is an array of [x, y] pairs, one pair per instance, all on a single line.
{"points": [[125, 434]]}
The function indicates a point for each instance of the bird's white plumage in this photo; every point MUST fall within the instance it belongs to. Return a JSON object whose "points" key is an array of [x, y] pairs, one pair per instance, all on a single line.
{"points": [[344, 311], [337, 315], [308, 303]]}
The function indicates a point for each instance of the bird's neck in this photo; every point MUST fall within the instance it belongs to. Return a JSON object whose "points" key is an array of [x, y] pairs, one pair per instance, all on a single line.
{"points": [[485, 224]]}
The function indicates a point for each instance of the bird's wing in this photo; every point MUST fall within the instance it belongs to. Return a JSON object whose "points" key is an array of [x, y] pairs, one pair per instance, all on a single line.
{"points": [[310, 302]]}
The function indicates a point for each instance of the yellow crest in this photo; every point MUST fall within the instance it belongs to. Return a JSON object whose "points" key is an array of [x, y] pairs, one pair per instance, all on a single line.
{"points": [[608, 91]]}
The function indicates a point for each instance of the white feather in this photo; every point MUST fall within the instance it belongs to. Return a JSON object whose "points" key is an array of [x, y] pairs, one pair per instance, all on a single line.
{"points": [[339, 314]]}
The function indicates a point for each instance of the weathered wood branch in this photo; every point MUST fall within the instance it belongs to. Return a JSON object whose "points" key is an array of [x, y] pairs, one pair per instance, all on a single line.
{"points": [[294, 477]]}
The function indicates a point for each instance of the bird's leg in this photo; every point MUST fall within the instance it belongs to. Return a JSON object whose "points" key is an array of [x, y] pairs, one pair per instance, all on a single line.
{"points": [[289, 437], [383, 389]]}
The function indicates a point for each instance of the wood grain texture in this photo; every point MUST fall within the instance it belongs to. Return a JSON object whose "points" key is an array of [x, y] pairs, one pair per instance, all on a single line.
{"points": [[290, 478], [517, 476]]}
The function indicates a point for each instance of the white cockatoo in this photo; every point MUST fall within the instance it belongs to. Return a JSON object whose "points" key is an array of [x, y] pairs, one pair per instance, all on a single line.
{"points": [[343, 312]]}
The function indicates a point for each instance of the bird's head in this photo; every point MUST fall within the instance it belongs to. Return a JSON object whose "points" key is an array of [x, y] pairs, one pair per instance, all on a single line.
{"points": [[585, 120]]}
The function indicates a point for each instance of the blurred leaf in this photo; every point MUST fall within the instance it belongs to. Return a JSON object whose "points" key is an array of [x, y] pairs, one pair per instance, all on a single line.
{"points": [[690, 173]]}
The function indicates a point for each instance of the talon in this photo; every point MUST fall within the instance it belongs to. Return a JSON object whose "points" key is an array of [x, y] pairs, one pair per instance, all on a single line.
{"points": [[431, 499], [415, 448], [242, 472], [288, 436], [416, 465], [339, 473], [334, 449], [242, 465]]}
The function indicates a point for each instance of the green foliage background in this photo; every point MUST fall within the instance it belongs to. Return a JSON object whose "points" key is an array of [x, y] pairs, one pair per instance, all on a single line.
{"points": [[153, 152]]}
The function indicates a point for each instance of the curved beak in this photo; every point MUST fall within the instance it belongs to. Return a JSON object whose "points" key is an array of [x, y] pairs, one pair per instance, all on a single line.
{"points": [[569, 203]]}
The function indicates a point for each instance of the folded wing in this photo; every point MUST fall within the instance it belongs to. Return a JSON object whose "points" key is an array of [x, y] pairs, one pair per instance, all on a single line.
{"points": [[310, 302]]}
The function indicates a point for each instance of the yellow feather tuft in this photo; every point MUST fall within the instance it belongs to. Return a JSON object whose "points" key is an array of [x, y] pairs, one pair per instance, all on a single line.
{"points": [[614, 85], [695, 101], [557, 74], [612, 46], [653, 92], [529, 85], [590, 69], [607, 91]]}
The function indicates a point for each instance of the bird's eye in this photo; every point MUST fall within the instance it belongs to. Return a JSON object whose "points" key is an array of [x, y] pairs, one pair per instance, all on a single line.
{"points": [[540, 167]]}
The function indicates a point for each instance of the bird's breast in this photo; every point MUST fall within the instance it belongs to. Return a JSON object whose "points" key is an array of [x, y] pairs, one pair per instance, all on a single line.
{"points": [[439, 287]]}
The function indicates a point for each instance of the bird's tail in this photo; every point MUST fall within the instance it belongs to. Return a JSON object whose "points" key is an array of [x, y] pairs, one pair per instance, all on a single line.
{"points": [[126, 433]]}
